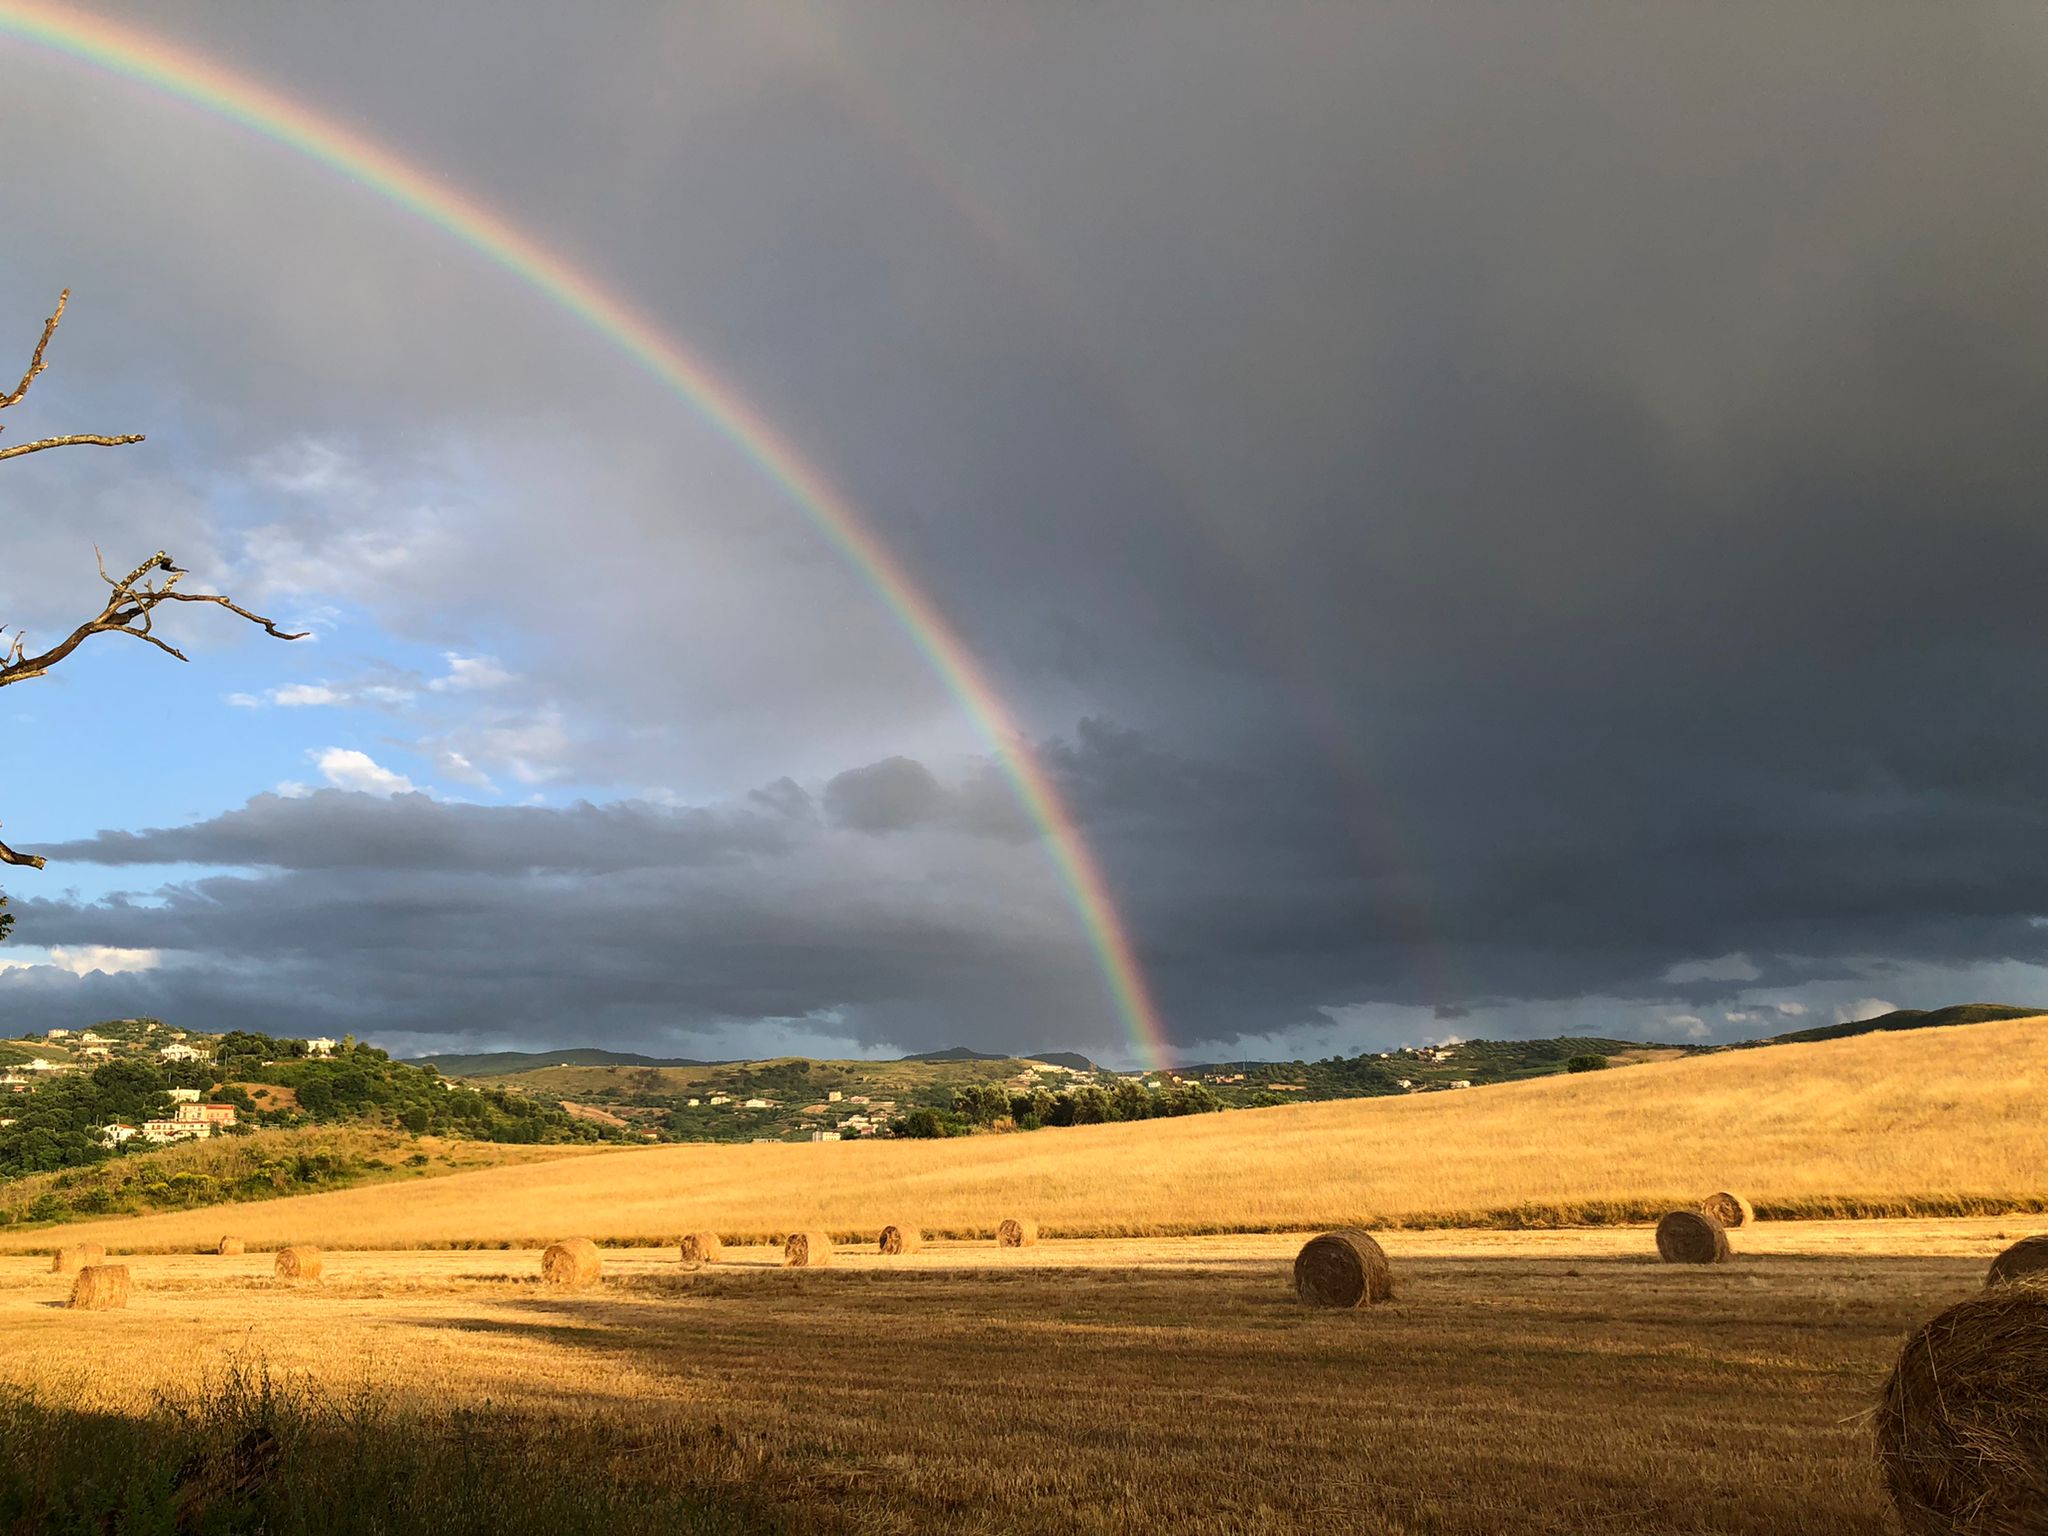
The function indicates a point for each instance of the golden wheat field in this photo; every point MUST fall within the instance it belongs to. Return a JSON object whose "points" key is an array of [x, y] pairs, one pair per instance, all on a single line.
{"points": [[1942, 1121], [1529, 1375], [1553, 1382]]}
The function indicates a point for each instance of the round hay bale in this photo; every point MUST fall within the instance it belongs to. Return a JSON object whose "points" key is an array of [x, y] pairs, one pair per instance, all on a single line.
{"points": [[1690, 1237], [2026, 1259], [702, 1248], [901, 1240], [1016, 1232], [298, 1263], [1345, 1268], [229, 1246], [1962, 1426], [807, 1250], [572, 1261], [100, 1288], [73, 1257], [1730, 1210]]}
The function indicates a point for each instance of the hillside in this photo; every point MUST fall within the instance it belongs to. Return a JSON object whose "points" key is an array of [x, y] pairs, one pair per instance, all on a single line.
{"points": [[261, 1165], [502, 1063], [129, 1088], [1921, 1121], [1907, 1018]]}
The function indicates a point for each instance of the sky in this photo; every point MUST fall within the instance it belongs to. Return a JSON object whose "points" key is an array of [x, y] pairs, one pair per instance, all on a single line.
{"points": [[1497, 521]]}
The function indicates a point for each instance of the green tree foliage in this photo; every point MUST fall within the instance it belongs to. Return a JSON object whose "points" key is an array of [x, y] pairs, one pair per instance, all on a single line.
{"points": [[986, 1105], [57, 1124], [1587, 1063]]}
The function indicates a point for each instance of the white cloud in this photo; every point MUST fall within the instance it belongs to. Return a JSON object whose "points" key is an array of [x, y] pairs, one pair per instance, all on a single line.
{"points": [[1681, 1026], [304, 695], [451, 764], [1863, 1008], [324, 695], [468, 673], [306, 467], [533, 750], [346, 768], [1729, 967], [82, 959]]}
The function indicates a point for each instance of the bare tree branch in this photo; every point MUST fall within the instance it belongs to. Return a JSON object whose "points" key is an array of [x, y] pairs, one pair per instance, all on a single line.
{"points": [[75, 440], [35, 359], [29, 860], [132, 600], [129, 611]]}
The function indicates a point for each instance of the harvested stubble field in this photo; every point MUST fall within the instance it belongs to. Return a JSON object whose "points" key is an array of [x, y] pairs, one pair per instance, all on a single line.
{"points": [[1553, 1381], [1932, 1122]]}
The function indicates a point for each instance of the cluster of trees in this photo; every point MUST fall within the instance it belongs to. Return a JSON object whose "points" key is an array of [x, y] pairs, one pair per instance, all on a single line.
{"points": [[134, 1185], [988, 1106], [362, 1083], [57, 1124]]}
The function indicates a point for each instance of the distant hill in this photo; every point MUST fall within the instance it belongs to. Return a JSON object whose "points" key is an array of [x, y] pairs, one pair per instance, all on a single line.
{"points": [[1072, 1059], [499, 1063], [1916, 1126], [1906, 1018]]}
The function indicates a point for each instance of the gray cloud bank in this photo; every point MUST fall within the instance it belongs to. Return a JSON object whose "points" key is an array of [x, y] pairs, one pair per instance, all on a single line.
{"points": [[1549, 497]]}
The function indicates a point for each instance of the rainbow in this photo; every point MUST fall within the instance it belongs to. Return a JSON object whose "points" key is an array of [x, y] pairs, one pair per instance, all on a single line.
{"points": [[133, 54]]}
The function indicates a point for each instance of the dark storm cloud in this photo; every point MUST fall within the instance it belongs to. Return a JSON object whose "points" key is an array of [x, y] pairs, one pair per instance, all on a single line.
{"points": [[883, 797], [1547, 496], [405, 917], [335, 830]]}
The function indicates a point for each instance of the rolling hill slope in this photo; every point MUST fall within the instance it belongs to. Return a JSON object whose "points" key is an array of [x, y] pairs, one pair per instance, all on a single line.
{"points": [[1925, 1121]]}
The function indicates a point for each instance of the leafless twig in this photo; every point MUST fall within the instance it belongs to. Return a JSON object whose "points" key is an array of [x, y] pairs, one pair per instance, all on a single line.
{"points": [[132, 600]]}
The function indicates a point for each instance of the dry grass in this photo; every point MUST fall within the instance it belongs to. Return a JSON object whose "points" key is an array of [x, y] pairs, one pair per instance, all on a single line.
{"points": [[261, 1165], [1121, 1386], [1938, 1121]]}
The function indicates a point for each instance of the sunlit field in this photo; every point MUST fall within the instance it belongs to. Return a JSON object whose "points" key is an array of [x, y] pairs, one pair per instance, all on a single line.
{"points": [[1546, 1381], [1932, 1122], [1529, 1375]]}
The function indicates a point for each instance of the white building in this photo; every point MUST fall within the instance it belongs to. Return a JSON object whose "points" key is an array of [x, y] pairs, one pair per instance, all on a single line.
{"points": [[824, 1136], [320, 1045], [721, 1098], [56, 1034], [693, 1103], [834, 1096], [757, 1104], [1463, 1082], [161, 1131], [117, 1133], [176, 1051], [184, 1095]]}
